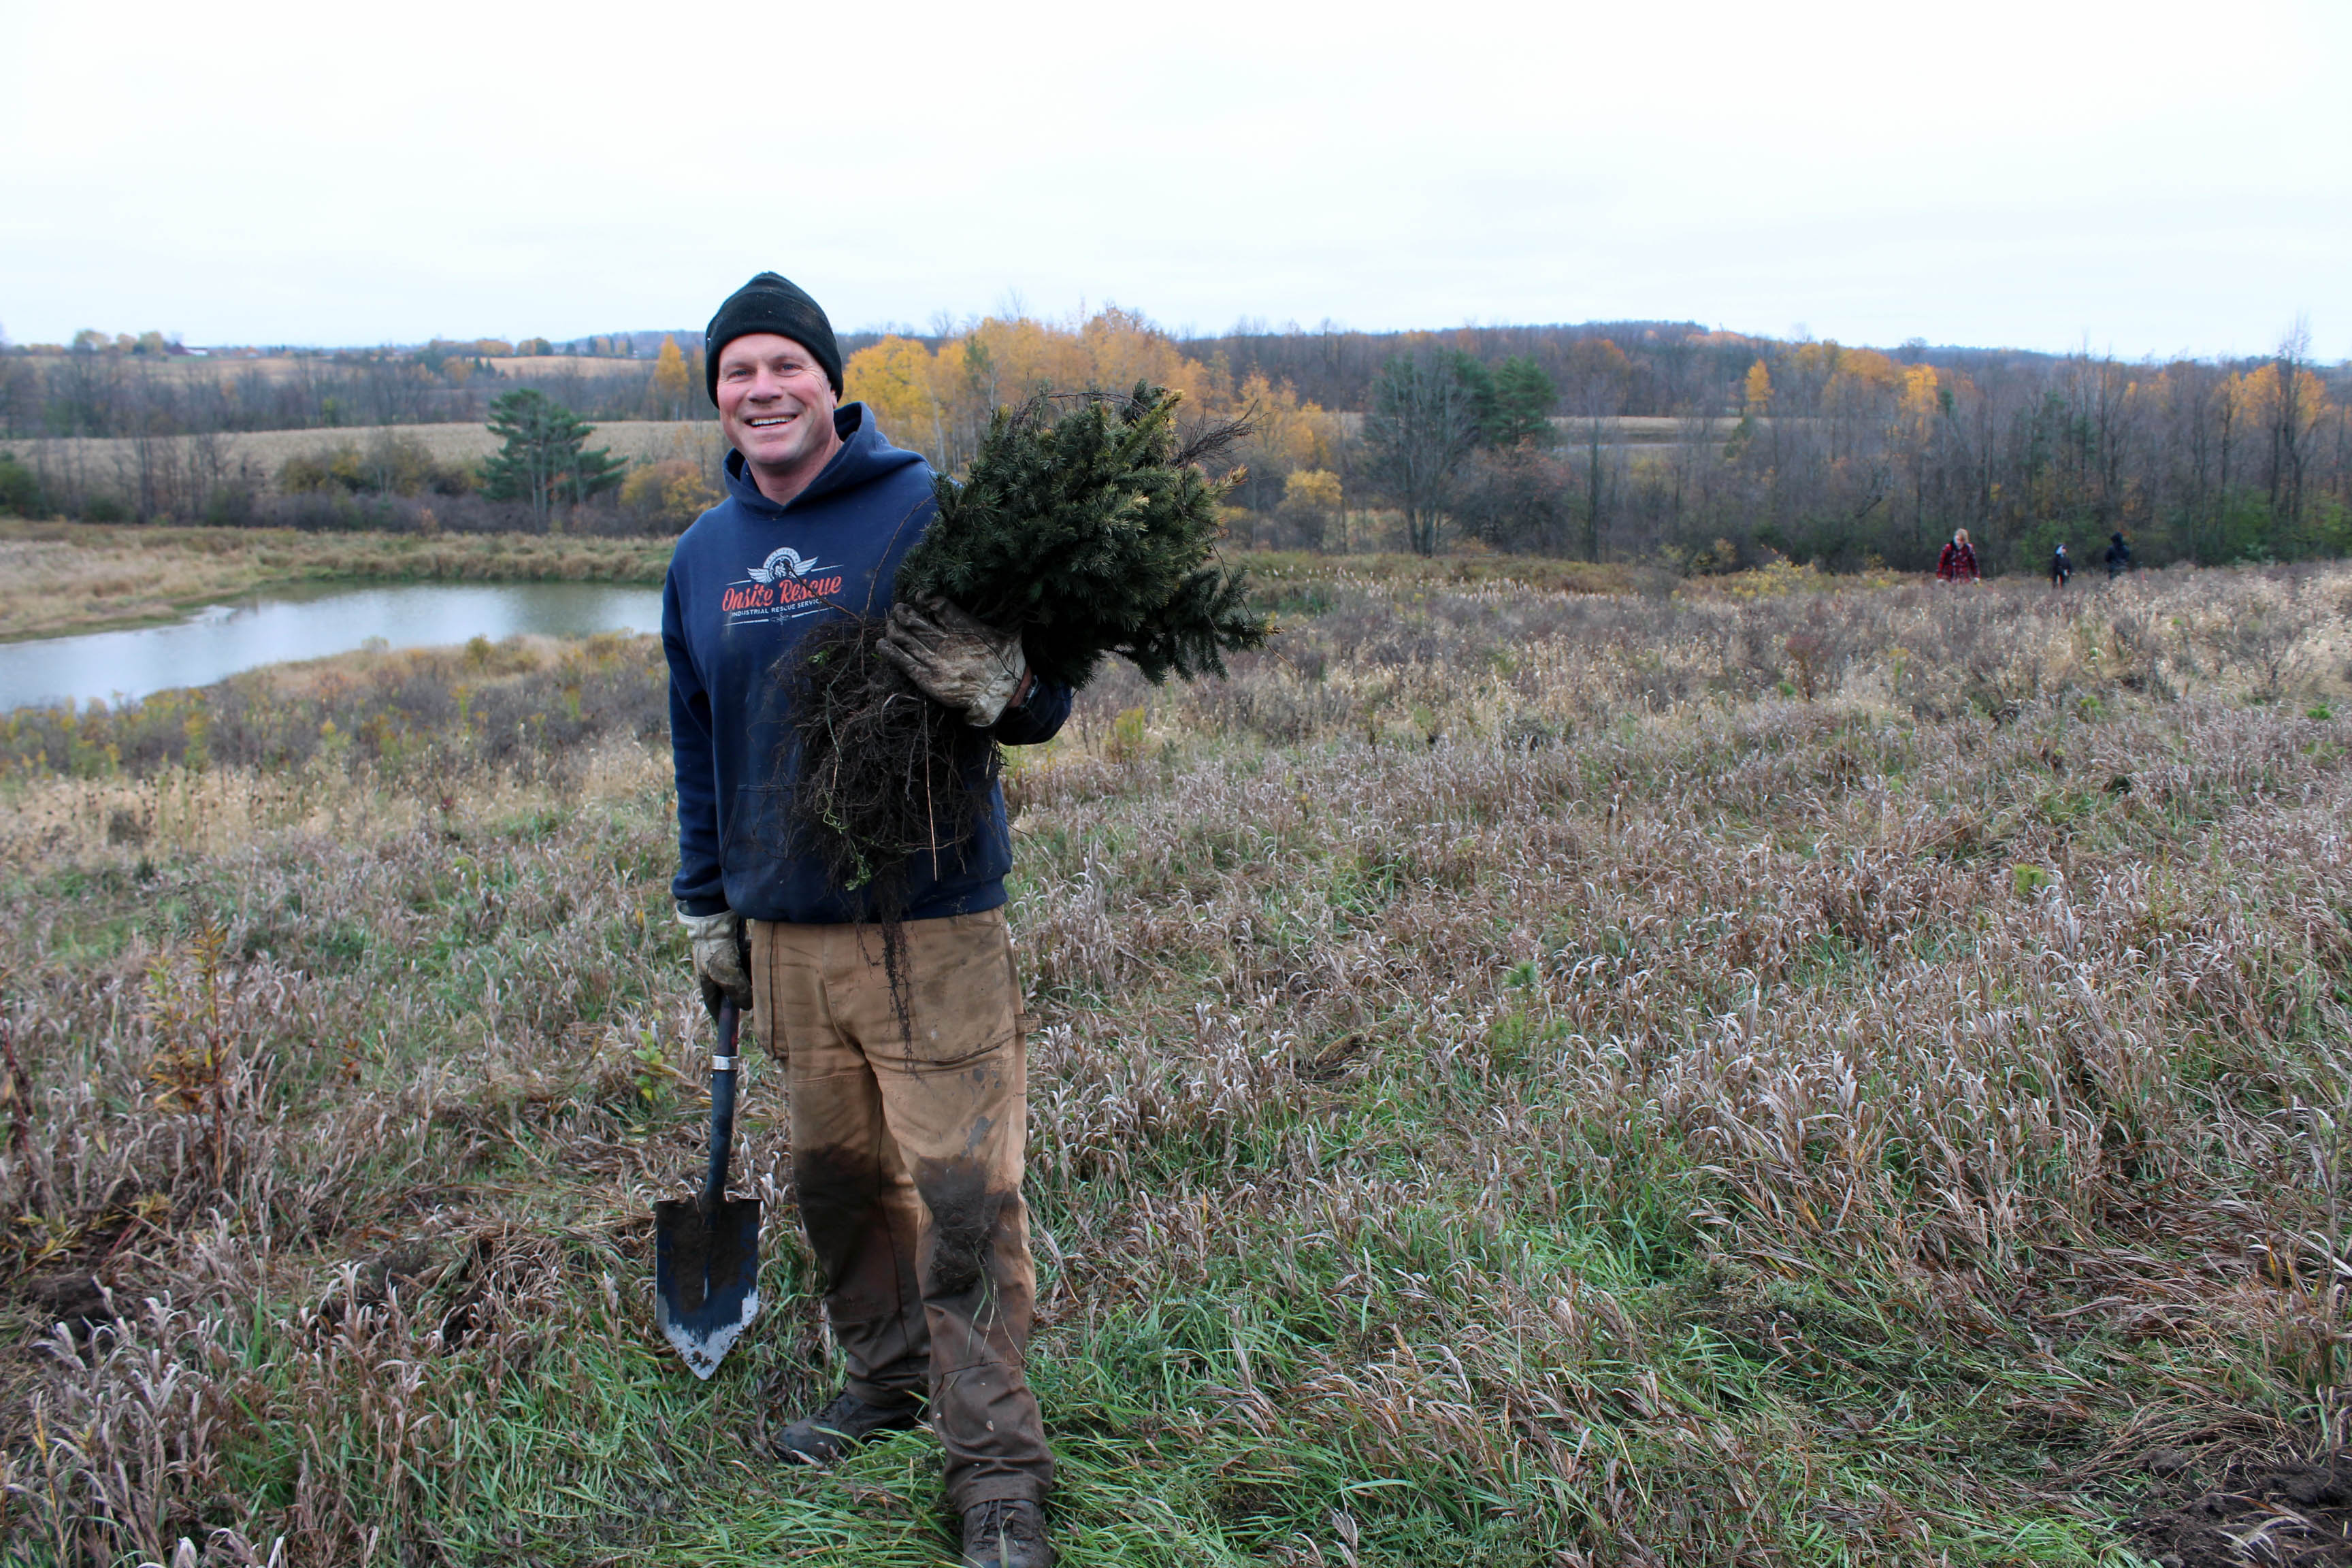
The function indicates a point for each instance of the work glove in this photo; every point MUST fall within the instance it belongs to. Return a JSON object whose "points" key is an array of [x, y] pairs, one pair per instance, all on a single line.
{"points": [[958, 661], [721, 965]]}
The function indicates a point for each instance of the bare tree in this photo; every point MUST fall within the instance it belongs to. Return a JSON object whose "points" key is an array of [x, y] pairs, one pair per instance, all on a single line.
{"points": [[2288, 417], [1596, 402], [1425, 422]]}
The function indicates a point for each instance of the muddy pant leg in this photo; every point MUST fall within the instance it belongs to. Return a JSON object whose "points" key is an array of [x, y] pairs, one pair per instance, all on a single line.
{"points": [[858, 1202], [953, 1073], [979, 1293]]}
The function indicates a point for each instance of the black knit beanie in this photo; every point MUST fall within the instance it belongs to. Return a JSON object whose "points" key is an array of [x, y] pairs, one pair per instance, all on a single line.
{"points": [[771, 304]]}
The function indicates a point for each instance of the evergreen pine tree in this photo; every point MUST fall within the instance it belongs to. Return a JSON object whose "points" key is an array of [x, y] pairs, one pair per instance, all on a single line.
{"points": [[545, 459], [1524, 399]]}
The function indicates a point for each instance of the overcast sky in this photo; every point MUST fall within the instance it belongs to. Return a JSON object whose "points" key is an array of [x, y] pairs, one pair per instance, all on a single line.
{"points": [[2145, 177]]}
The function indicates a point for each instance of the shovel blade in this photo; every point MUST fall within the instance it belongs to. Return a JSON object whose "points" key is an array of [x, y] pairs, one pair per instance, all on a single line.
{"points": [[706, 1276]]}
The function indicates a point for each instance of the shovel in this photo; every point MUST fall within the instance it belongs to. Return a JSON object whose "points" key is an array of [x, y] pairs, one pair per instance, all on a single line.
{"points": [[707, 1250]]}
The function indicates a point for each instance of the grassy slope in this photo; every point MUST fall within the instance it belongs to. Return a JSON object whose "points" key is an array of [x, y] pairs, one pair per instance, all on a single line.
{"points": [[1511, 1086]]}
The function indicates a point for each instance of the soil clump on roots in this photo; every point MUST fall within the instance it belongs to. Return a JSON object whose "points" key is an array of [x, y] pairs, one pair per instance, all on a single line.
{"points": [[887, 776], [2295, 1513], [1087, 524]]}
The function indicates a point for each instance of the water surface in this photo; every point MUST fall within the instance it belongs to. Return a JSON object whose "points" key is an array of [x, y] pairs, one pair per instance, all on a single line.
{"points": [[219, 640]]}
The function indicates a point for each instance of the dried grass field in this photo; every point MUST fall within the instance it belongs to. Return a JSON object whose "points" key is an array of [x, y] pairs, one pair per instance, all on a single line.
{"points": [[1769, 1074], [266, 451]]}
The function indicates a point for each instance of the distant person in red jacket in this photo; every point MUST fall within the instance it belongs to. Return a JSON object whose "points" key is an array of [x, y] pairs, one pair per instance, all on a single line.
{"points": [[1957, 563]]}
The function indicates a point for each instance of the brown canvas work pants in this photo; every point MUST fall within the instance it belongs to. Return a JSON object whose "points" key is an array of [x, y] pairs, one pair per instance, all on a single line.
{"points": [[909, 1120]]}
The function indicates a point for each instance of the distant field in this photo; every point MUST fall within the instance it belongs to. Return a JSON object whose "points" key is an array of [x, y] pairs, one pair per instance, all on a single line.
{"points": [[1641, 429], [263, 452], [1627, 430], [540, 365]]}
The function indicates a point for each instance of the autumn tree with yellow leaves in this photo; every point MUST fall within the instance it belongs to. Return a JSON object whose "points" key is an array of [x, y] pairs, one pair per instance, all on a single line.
{"points": [[673, 383], [938, 401]]}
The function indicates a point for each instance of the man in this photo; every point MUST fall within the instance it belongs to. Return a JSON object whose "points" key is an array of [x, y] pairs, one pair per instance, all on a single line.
{"points": [[2061, 567], [908, 1108]]}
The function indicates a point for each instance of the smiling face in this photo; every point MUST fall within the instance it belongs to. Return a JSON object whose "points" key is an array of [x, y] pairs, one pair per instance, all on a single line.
{"points": [[776, 407]]}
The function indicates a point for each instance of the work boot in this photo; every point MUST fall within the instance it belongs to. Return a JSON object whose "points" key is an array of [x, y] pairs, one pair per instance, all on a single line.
{"points": [[845, 1424], [1007, 1533]]}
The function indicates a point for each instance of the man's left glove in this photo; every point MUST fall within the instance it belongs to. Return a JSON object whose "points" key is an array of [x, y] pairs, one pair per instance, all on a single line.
{"points": [[960, 661], [721, 966]]}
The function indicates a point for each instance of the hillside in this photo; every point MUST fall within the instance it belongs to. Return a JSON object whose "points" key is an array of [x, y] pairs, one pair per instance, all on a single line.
{"points": [[1754, 1075]]}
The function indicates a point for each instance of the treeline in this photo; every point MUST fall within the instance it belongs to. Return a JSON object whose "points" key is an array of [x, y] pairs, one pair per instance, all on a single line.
{"points": [[1850, 457], [1634, 442], [1641, 368], [115, 394], [146, 386], [530, 468], [1699, 450]]}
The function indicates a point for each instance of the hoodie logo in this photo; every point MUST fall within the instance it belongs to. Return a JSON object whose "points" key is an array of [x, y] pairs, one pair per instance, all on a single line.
{"points": [[784, 587], [775, 565]]}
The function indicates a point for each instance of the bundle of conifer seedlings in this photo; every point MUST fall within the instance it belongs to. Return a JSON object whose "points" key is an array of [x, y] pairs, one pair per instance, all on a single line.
{"points": [[1086, 522]]}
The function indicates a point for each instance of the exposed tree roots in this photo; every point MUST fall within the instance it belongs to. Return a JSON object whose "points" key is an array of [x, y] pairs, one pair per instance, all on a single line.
{"points": [[885, 778]]}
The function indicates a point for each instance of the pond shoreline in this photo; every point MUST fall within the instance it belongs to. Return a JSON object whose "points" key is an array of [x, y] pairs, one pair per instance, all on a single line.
{"points": [[300, 622], [64, 579]]}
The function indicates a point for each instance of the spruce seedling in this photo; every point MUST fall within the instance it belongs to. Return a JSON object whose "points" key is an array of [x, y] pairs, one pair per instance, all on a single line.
{"points": [[1090, 528]]}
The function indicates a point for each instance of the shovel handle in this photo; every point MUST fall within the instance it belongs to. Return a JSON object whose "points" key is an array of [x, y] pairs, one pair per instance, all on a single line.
{"points": [[722, 1105]]}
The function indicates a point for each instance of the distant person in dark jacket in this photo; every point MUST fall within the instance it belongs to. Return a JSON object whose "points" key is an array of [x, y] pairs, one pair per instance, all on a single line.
{"points": [[2118, 556], [1957, 563], [2062, 566]]}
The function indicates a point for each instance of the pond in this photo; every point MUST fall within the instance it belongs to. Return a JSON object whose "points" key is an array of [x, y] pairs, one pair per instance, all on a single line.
{"points": [[219, 640]]}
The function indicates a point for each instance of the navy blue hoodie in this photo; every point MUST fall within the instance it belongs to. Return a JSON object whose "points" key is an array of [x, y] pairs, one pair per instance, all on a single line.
{"points": [[748, 580]]}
